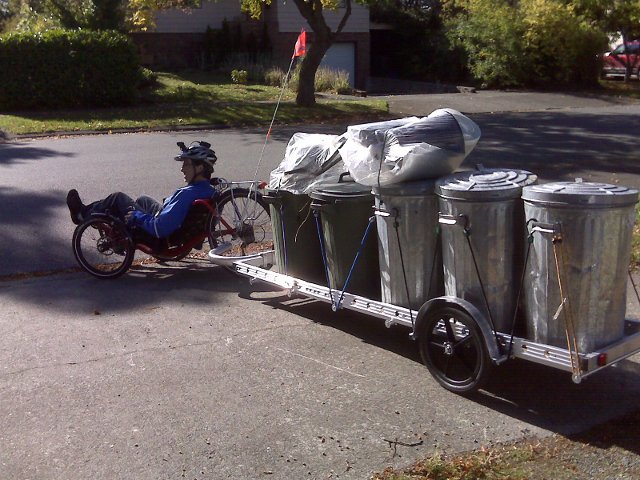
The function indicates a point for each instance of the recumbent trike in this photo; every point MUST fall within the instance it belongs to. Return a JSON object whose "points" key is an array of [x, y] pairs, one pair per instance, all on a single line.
{"points": [[234, 221]]}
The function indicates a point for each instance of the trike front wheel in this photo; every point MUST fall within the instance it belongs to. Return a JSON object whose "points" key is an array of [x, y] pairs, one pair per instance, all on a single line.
{"points": [[103, 247]]}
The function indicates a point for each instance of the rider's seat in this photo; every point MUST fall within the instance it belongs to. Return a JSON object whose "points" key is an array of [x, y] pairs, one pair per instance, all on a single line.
{"points": [[193, 226], [194, 223]]}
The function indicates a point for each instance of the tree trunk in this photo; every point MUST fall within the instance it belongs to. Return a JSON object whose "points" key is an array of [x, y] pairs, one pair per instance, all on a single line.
{"points": [[312, 11], [310, 63]]}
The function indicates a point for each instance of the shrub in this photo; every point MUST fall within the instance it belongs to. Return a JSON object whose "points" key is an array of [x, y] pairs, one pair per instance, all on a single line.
{"points": [[148, 78], [274, 77], [416, 47], [239, 76], [255, 67], [560, 47], [530, 43], [327, 80], [490, 32], [65, 69]]}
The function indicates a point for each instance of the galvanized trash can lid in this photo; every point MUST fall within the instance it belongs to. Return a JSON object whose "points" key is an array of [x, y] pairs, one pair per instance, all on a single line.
{"points": [[485, 184], [408, 189], [580, 193], [331, 192]]}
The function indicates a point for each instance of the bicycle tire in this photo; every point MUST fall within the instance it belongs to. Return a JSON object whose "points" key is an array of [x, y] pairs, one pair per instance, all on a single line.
{"points": [[452, 348], [243, 221], [103, 247]]}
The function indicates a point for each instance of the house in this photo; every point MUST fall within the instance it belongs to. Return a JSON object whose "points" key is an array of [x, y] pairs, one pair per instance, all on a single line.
{"points": [[178, 39]]}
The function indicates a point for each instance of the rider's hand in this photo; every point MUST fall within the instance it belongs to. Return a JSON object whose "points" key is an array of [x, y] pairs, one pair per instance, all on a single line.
{"points": [[129, 218]]}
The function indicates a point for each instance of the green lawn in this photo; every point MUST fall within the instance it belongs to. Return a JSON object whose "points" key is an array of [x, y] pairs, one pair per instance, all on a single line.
{"points": [[193, 99]]}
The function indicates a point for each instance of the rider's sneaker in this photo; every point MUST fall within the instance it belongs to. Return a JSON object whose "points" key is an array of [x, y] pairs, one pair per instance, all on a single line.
{"points": [[76, 207]]}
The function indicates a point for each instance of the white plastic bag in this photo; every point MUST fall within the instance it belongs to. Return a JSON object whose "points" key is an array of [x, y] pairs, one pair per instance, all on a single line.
{"points": [[310, 158], [412, 149]]}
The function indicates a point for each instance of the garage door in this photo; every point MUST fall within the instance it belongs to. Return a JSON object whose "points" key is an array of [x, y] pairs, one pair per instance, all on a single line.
{"points": [[342, 56]]}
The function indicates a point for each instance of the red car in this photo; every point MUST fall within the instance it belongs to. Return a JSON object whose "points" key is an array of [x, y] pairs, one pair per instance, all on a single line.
{"points": [[615, 62]]}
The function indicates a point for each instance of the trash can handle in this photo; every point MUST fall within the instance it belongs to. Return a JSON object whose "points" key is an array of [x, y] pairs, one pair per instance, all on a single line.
{"points": [[381, 213], [317, 204], [459, 219], [546, 228], [342, 175]]}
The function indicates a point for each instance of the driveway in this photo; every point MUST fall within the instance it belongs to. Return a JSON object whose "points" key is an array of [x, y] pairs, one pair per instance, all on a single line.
{"points": [[187, 371]]}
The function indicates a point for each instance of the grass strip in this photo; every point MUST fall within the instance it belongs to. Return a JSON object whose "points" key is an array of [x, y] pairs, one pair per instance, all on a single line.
{"points": [[181, 115], [605, 451]]}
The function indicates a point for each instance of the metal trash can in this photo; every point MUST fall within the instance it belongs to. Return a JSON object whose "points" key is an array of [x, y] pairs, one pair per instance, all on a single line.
{"points": [[583, 232], [483, 235], [344, 209], [295, 235], [409, 250]]}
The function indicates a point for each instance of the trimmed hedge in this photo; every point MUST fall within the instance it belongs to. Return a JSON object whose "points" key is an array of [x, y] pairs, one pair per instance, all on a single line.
{"points": [[67, 69]]}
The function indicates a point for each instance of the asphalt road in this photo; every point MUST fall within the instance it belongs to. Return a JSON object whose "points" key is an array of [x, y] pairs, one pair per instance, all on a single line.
{"points": [[187, 371], [560, 141]]}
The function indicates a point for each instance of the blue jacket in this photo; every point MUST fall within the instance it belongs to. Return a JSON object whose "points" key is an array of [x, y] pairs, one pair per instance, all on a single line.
{"points": [[174, 210]]}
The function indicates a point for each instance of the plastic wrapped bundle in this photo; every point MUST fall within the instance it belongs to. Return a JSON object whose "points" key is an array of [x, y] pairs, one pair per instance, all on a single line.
{"points": [[419, 149], [364, 146], [310, 158], [369, 134]]}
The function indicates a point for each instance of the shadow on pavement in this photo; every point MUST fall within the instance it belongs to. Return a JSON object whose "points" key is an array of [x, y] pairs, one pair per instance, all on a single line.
{"points": [[547, 397], [623, 432], [536, 394], [560, 145], [189, 282], [16, 153], [369, 330], [28, 220]]}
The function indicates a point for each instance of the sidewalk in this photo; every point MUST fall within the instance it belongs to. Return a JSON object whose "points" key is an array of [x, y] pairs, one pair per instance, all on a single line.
{"points": [[494, 101]]}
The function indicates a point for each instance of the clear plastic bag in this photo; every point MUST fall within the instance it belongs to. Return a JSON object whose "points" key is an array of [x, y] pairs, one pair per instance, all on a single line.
{"points": [[310, 158], [409, 149]]}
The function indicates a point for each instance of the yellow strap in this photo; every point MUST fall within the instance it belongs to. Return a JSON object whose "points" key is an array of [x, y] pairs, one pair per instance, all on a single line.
{"points": [[568, 316]]}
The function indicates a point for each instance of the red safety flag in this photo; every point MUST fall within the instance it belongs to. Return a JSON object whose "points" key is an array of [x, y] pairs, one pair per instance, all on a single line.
{"points": [[301, 45]]}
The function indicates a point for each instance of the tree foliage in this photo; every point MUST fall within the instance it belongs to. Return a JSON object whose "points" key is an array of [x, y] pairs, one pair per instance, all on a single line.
{"points": [[611, 16], [614, 17], [121, 15], [416, 47], [526, 42]]}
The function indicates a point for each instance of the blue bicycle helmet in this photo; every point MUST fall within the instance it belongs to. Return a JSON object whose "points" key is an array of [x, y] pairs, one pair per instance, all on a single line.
{"points": [[198, 151]]}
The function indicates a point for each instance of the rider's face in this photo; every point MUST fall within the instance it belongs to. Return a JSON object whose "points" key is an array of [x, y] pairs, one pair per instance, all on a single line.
{"points": [[189, 170]]}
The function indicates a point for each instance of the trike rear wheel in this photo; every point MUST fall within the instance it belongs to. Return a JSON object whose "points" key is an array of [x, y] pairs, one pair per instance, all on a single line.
{"points": [[103, 247], [452, 347]]}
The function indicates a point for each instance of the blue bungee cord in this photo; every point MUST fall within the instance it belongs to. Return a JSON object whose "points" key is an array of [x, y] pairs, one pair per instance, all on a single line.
{"points": [[355, 261]]}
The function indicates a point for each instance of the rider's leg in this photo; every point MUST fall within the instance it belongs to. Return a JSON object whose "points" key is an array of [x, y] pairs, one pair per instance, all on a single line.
{"points": [[147, 204], [118, 204]]}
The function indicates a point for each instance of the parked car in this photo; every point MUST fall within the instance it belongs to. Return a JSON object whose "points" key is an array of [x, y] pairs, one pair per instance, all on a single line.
{"points": [[614, 62]]}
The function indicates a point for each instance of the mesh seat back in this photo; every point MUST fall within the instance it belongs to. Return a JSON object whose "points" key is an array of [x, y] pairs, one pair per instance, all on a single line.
{"points": [[194, 224]]}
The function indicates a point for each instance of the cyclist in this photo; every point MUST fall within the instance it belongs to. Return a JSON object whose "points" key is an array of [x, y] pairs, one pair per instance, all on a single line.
{"points": [[154, 218]]}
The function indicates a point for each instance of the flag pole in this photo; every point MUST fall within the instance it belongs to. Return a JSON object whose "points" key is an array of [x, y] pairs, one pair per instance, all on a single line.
{"points": [[298, 50]]}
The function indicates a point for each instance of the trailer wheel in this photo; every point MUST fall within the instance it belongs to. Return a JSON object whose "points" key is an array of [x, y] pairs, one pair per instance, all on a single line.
{"points": [[453, 349]]}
